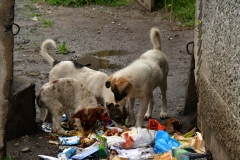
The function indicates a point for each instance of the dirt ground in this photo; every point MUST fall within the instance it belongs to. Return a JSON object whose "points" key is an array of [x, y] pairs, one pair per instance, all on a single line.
{"points": [[88, 30]]}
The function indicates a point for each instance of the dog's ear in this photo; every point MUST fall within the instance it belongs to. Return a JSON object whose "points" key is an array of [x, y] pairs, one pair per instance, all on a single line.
{"points": [[78, 114], [123, 85], [109, 105], [100, 110], [108, 84]]}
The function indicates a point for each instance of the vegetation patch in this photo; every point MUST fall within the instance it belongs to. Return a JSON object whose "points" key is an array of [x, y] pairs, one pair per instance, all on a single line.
{"points": [[62, 49], [79, 3], [33, 12], [46, 22], [181, 11]]}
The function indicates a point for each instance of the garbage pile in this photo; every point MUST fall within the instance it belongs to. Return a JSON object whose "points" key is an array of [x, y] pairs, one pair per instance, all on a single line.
{"points": [[156, 141]]}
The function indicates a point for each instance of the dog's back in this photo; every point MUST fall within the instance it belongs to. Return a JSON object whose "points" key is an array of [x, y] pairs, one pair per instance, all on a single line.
{"points": [[62, 95], [93, 79], [71, 93]]}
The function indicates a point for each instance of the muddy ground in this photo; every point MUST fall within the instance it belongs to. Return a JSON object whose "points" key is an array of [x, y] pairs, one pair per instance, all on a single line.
{"points": [[88, 31]]}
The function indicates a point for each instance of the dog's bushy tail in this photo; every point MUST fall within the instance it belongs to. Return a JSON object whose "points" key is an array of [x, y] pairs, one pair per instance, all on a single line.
{"points": [[155, 38], [44, 52]]}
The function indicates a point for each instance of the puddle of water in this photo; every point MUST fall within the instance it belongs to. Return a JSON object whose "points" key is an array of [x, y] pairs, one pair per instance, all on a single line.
{"points": [[102, 60]]}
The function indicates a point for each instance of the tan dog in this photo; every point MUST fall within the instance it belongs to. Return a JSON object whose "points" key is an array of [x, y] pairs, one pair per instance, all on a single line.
{"points": [[95, 80], [65, 95], [139, 79]]}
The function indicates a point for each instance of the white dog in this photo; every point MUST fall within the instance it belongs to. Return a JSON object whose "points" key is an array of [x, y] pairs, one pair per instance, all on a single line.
{"points": [[65, 95], [95, 80], [139, 79]]}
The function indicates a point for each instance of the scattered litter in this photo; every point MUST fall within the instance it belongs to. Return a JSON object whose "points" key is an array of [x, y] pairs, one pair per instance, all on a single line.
{"points": [[74, 140], [156, 141], [34, 18], [47, 157], [170, 38], [134, 138], [26, 149], [66, 154], [86, 152], [190, 153], [172, 125], [16, 144], [47, 127], [53, 142], [153, 124], [138, 153], [164, 142]]}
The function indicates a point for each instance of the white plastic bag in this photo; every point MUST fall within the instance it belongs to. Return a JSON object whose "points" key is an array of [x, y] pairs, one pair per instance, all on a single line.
{"points": [[114, 141], [142, 138]]}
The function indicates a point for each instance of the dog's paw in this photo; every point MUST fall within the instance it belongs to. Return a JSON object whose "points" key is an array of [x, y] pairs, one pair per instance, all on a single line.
{"points": [[163, 115], [130, 123], [147, 117], [61, 131]]}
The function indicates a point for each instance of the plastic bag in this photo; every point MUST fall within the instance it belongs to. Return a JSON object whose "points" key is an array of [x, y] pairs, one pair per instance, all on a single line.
{"points": [[142, 137], [114, 141], [164, 142]]}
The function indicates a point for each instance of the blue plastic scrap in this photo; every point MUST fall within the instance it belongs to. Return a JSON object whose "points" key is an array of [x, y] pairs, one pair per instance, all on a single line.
{"points": [[164, 142]]}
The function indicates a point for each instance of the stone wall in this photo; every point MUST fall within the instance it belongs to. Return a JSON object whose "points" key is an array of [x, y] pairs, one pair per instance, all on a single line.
{"points": [[217, 72]]}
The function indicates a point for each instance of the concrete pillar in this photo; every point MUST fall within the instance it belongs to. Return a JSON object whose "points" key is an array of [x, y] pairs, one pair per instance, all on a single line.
{"points": [[6, 66]]}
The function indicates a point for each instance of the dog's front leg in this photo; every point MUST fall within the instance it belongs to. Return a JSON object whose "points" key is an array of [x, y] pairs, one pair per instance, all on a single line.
{"points": [[131, 118], [148, 115], [142, 111], [78, 124]]}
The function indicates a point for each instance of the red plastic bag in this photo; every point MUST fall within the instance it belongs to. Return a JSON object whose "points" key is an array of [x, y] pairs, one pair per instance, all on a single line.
{"points": [[153, 124]]}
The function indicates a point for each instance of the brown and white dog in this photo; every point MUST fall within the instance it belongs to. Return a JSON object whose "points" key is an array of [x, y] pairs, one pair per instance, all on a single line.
{"points": [[139, 79], [65, 95], [95, 80]]}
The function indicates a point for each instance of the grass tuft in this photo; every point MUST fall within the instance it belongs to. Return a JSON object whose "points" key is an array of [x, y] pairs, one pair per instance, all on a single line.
{"points": [[179, 10], [62, 49], [45, 22]]}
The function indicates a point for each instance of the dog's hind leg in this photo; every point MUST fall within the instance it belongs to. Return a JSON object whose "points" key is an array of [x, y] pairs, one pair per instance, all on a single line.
{"points": [[131, 118], [163, 88], [148, 115]]}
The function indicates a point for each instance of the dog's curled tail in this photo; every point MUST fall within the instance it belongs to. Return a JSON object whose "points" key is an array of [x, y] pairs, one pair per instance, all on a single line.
{"points": [[155, 38], [44, 52]]}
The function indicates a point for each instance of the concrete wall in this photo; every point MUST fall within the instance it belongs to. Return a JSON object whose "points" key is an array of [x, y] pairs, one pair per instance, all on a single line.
{"points": [[217, 73], [6, 66]]}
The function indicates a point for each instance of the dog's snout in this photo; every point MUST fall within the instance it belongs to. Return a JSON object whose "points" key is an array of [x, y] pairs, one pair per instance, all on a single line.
{"points": [[118, 97]]}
